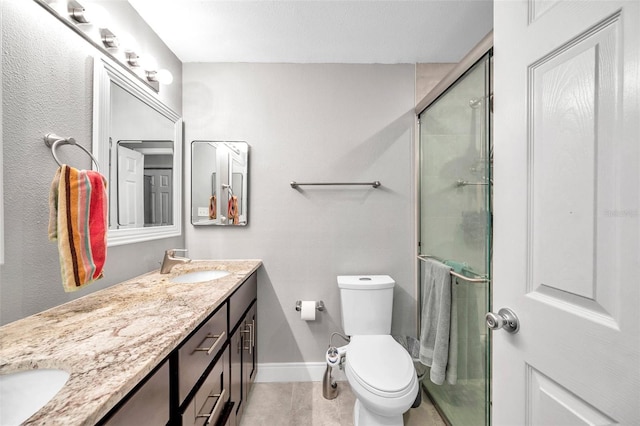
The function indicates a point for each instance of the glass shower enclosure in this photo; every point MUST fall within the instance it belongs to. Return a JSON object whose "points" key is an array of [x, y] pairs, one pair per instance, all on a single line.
{"points": [[455, 228]]}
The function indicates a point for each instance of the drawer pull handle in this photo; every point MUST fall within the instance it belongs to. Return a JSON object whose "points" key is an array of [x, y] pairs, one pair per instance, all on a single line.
{"points": [[219, 339], [216, 407], [250, 331]]}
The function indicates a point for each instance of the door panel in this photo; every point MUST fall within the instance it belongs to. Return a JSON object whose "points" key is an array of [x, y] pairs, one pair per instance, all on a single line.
{"points": [[130, 188], [551, 403], [567, 213], [160, 197]]}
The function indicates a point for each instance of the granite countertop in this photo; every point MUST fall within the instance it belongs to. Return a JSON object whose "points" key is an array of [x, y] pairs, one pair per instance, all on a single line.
{"points": [[111, 339]]}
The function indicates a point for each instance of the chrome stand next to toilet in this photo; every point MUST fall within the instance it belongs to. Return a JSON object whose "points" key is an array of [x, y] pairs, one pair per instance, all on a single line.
{"points": [[329, 386], [334, 356]]}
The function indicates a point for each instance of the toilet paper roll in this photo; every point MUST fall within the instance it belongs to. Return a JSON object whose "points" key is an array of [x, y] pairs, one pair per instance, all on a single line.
{"points": [[308, 310]]}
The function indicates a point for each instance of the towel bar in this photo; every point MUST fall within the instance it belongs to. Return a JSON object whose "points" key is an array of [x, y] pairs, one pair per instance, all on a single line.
{"points": [[295, 184], [53, 141], [455, 274]]}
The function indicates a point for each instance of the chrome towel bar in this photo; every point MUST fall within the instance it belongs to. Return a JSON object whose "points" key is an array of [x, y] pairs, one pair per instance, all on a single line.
{"points": [[455, 274], [295, 184]]}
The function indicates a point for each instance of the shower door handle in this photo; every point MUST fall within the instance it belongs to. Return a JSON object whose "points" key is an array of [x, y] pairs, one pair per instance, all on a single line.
{"points": [[505, 318]]}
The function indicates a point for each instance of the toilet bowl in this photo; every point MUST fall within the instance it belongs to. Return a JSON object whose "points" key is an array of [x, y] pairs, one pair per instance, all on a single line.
{"points": [[383, 379]]}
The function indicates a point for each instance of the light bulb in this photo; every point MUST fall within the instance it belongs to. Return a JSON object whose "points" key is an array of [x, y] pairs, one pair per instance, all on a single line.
{"points": [[127, 42], [164, 76], [97, 15], [148, 63]]}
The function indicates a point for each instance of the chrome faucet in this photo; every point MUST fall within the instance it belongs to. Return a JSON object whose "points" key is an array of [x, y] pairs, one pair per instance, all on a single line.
{"points": [[170, 260]]}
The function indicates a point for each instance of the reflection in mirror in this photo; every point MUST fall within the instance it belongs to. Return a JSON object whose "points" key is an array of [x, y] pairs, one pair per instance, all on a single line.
{"points": [[145, 171], [219, 177], [140, 138]]}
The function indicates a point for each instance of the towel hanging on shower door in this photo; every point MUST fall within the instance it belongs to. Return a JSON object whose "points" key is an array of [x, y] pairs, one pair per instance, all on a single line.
{"points": [[436, 321]]}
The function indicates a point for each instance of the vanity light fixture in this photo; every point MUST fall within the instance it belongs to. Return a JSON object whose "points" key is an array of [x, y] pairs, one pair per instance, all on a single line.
{"points": [[161, 76], [77, 12], [133, 59], [93, 14], [109, 39], [93, 23]]}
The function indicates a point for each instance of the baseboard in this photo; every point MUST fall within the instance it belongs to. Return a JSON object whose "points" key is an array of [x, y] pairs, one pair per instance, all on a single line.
{"points": [[271, 372]]}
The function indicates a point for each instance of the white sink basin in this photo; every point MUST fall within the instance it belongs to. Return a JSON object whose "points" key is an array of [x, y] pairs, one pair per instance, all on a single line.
{"points": [[23, 393], [199, 276]]}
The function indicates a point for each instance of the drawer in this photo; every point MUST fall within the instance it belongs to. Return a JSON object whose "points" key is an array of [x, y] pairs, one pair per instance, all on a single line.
{"points": [[149, 405], [209, 402], [241, 299], [195, 355]]}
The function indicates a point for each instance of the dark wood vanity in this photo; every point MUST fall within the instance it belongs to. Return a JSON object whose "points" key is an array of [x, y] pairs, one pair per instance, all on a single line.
{"points": [[205, 380]]}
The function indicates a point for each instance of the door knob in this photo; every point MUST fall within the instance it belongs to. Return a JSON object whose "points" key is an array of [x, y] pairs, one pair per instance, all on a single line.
{"points": [[505, 318]]}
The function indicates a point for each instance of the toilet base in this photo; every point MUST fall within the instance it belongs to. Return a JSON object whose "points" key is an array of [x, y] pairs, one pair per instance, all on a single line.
{"points": [[364, 417]]}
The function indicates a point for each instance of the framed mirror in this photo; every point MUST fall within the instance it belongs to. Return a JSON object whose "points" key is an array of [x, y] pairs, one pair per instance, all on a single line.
{"points": [[219, 182], [140, 140]]}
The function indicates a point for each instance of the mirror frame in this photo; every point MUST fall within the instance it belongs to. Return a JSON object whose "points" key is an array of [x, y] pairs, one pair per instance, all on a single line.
{"points": [[106, 72], [1, 167]]}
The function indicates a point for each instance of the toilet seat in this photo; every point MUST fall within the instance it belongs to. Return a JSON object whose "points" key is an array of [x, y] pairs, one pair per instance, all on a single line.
{"points": [[381, 365]]}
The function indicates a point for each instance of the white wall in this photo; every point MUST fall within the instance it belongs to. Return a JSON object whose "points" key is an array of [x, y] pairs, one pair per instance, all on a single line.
{"points": [[47, 82], [314, 122]]}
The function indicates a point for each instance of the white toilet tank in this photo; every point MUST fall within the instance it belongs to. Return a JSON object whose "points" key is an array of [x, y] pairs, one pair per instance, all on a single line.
{"points": [[366, 303]]}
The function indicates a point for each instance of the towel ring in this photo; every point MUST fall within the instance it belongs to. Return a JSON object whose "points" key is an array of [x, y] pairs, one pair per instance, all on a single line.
{"points": [[53, 141]]}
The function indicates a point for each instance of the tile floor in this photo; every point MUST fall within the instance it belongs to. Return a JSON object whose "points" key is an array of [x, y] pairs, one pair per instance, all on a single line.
{"points": [[302, 404]]}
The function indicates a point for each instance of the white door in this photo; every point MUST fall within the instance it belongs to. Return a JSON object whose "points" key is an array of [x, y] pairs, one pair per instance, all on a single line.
{"points": [[567, 213], [159, 197], [130, 188]]}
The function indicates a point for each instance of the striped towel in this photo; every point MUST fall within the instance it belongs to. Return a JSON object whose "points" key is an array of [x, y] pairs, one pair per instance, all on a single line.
{"points": [[78, 220], [232, 210]]}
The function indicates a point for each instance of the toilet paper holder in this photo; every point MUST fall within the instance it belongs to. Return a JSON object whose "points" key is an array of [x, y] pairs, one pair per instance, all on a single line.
{"points": [[319, 305]]}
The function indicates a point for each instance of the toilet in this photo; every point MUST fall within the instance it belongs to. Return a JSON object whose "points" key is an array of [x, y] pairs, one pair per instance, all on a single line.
{"points": [[379, 370]]}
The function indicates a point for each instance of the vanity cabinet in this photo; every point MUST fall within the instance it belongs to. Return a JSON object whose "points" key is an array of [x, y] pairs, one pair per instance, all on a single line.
{"points": [[149, 403], [206, 379]]}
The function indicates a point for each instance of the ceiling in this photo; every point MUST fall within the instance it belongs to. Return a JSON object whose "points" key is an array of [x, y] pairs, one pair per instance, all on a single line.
{"points": [[318, 31]]}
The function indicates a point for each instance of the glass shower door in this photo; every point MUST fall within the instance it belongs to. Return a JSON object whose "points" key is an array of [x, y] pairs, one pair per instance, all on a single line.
{"points": [[455, 227]]}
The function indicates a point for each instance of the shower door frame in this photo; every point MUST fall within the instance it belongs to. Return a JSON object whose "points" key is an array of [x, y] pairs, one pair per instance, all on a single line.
{"points": [[476, 54]]}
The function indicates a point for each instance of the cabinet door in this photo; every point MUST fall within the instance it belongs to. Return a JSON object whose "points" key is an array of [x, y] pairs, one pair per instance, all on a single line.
{"points": [[149, 405], [236, 376], [249, 355]]}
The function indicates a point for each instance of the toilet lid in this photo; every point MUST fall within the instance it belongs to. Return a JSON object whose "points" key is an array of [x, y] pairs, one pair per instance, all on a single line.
{"points": [[380, 364]]}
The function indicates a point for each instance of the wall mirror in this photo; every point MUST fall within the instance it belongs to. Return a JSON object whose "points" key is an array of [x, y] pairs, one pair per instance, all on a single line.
{"points": [[219, 182], [140, 139]]}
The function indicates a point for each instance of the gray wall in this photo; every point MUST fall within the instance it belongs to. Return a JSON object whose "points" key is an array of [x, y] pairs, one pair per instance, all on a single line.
{"points": [[316, 122], [47, 77]]}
